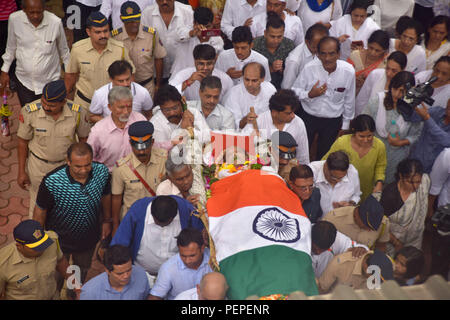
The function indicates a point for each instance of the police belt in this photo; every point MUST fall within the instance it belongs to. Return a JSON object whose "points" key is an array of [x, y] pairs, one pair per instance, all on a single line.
{"points": [[82, 96], [46, 161], [143, 83]]}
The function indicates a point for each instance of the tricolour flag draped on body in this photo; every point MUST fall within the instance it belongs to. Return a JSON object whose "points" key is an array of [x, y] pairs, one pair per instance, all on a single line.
{"points": [[262, 236]]}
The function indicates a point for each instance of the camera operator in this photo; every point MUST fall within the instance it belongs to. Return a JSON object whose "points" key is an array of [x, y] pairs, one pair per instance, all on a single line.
{"points": [[435, 134], [441, 86]]}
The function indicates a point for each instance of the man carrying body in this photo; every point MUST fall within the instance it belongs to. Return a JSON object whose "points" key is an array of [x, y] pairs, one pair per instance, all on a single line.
{"points": [[46, 130]]}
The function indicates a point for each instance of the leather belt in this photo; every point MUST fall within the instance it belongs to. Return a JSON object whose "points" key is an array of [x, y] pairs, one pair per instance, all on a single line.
{"points": [[82, 96], [46, 161], [143, 83]]}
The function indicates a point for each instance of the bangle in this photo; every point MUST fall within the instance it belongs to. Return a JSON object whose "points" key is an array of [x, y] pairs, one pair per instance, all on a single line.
{"points": [[187, 83]]}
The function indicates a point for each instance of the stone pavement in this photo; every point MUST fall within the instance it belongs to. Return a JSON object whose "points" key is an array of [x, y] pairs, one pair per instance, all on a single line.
{"points": [[14, 201]]}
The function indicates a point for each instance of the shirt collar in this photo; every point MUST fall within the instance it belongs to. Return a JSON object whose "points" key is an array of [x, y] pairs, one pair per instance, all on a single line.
{"points": [[176, 11], [17, 257], [73, 181], [321, 175], [43, 23], [110, 126]]}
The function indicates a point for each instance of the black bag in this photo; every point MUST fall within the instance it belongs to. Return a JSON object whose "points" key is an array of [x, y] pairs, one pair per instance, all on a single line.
{"points": [[441, 220]]}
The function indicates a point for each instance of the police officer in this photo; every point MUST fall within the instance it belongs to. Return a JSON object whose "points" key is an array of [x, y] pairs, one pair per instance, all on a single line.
{"points": [[28, 266], [47, 127], [365, 224], [351, 271], [284, 150], [137, 175], [145, 47], [90, 59]]}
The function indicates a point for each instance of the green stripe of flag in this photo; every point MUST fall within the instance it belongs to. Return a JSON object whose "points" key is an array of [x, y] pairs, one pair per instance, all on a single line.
{"points": [[274, 269]]}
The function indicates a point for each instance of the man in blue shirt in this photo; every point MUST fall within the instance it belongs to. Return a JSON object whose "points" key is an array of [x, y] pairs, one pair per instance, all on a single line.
{"points": [[435, 134], [121, 281], [184, 270]]}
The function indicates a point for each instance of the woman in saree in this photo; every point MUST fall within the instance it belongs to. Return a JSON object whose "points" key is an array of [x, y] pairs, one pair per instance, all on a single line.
{"points": [[367, 60], [405, 203]]}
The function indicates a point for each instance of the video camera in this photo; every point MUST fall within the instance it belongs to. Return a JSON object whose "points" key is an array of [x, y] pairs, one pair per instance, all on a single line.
{"points": [[415, 96]]}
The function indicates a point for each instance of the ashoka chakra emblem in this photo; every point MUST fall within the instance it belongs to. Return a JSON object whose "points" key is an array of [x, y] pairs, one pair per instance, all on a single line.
{"points": [[272, 224]]}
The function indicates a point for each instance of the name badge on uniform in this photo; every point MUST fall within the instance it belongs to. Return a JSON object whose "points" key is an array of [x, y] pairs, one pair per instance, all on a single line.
{"points": [[23, 279], [85, 62], [41, 130], [135, 181]]}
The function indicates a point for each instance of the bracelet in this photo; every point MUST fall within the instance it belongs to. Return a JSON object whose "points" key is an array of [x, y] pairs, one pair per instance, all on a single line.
{"points": [[187, 83]]}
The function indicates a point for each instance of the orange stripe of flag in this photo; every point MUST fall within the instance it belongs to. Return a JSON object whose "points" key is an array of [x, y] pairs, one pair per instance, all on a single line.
{"points": [[251, 188]]}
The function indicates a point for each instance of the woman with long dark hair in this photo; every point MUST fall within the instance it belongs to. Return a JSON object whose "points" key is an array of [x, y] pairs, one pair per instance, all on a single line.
{"points": [[366, 152], [391, 128], [405, 203]]}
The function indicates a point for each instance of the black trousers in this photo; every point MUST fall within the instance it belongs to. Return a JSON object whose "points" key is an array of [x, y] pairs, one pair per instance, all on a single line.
{"points": [[25, 95], [327, 130]]}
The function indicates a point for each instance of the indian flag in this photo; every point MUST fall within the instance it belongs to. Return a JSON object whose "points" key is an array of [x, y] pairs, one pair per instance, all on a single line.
{"points": [[262, 236]]}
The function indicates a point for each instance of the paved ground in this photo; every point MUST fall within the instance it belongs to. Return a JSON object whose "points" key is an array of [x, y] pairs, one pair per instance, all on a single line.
{"points": [[14, 201]]}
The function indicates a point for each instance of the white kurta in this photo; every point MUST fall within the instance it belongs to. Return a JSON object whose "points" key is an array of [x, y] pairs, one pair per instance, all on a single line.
{"points": [[443, 50], [228, 59], [440, 95], [191, 92], [239, 100], [293, 27], [339, 98], [375, 82], [184, 57], [178, 31], [166, 131], [344, 26], [392, 10], [236, 12], [440, 177], [348, 189], [310, 17], [295, 62], [296, 128], [219, 119], [142, 101], [417, 59]]}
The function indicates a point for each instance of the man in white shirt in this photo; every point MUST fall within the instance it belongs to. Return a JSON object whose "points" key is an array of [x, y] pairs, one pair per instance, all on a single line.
{"points": [[302, 54], [326, 88], [327, 242], [281, 117], [240, 13], [187, 81], [337, 180], [171, 121], [174, 23], [112, 8], [233, 60], [37, 41], [203, 21], [120, 75], [252, 92], [440, 179], [217, 116], [293, 25]]}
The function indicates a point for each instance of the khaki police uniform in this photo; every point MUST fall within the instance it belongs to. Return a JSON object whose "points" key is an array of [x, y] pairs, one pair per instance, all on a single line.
{"points": [[92, 67], [286, 170], [24, 278], [144, 49], [343, 220], [125, 182], [343, 269], [49, 139]]}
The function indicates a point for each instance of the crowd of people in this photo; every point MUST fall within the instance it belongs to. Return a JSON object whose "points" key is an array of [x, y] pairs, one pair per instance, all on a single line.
{"points": [[115, 134]]}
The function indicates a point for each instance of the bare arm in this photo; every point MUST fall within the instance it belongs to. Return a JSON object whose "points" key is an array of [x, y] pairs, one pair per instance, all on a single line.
{"points": [[159, 67], [22, 153], [69, 80], [116, 204], [95, 117], [106, 226], [40, 215], [152, 297]]}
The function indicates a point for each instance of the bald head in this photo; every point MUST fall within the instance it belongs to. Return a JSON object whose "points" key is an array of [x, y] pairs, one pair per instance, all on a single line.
{"points": [[213, 286]]}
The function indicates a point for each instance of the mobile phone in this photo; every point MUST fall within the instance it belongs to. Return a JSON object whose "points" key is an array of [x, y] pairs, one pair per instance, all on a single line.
{"points": [[211, 33]]}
